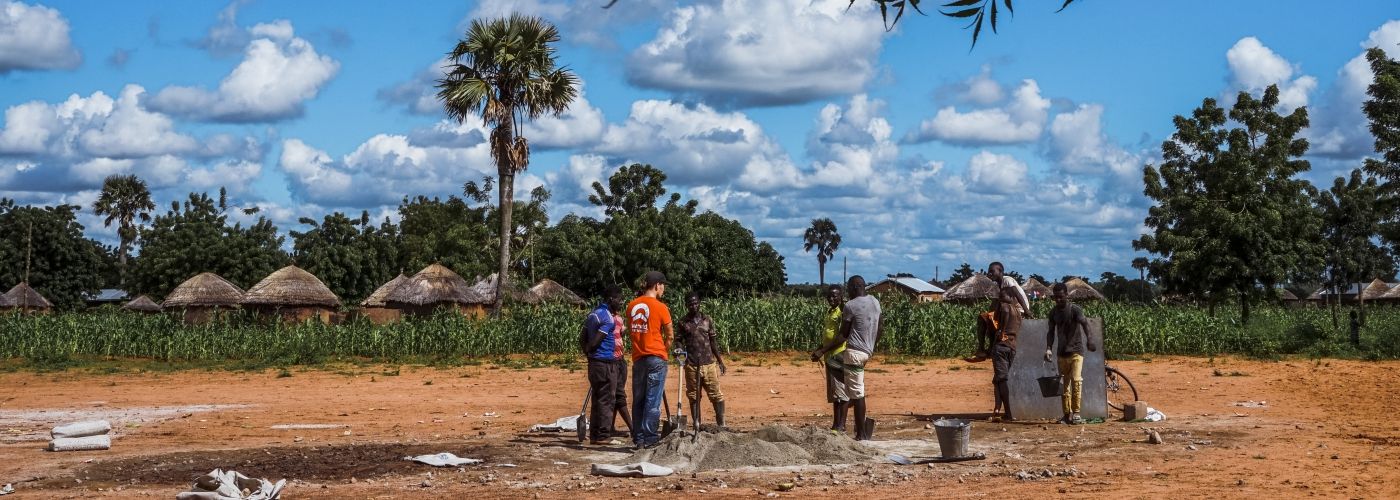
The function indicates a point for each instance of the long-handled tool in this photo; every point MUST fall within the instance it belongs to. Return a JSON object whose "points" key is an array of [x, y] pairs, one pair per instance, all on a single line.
{"points": [[903, 460], [680, 392], [695, 410], [669, 424], [582, 424]]}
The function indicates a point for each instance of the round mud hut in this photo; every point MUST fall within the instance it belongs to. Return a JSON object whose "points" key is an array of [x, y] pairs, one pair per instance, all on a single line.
{"points": [[548, 291], [26, 300], [434, 287], [143, 305], [202, 298], [375, 308], [1080, 291], [293, 295], [977, 288], [1035, 290]]}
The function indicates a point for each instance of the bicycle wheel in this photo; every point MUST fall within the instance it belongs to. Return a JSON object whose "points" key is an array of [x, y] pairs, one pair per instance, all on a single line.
{"points": [[1120, 390]]}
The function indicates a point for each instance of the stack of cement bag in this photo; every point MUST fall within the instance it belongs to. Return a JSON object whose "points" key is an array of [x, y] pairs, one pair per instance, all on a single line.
{"points": [[82, 436]]}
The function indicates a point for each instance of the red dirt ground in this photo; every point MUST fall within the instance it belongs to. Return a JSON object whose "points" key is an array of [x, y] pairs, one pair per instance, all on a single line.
{"points": [[1328, 429]]}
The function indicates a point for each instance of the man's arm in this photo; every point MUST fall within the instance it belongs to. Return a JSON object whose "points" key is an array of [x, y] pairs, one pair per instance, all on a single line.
{"points": [[1050, 338], [596, 333], [840, 338], [1025, 302], [667, 335], [1088, 339]]}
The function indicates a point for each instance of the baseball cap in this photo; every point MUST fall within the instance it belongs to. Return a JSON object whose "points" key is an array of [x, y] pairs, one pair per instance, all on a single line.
{"points": [[654, 277]]}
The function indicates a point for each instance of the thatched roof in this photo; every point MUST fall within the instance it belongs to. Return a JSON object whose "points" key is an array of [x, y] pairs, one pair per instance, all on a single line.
{"points": [[435, 284], [978, 287], [548, 290], [377, 298], [5, 302], [23, 296], [1034, 286], [142, 304], [205, 289], [291, 286], [1393, 294], [1079, 290], [1286, 295], [1375, 290]]}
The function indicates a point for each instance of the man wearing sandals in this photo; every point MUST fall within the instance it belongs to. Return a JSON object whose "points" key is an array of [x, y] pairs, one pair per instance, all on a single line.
{"points": [[1069, 330]]}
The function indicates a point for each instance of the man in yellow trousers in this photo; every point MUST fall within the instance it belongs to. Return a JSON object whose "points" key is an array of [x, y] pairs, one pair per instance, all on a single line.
{"points": [[1069, 335]]}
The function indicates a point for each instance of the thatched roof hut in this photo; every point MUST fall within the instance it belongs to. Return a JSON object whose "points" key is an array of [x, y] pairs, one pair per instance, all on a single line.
{"points": [[202, 297], [293, 294], [142, 304], [25, 298], [375, 308], [1287, 296], [978, 287], [1392, 296], [1079, 290], [548, 290], [433, 287], [1375, 290], [1035, 289], [5, 303]]}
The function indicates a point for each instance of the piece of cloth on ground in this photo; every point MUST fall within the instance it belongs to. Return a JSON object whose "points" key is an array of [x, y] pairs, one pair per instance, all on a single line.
{"points": [[82, 429], [230, 485], [643, 469], [443, 460], [1154, 416], [564, 424], [88, 443]]}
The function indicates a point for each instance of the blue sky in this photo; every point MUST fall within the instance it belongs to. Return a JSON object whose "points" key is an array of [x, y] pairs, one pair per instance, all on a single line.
{"points": [[1027, 149]]}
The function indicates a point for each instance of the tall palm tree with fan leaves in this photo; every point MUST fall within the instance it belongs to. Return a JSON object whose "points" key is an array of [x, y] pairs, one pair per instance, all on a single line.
{"points": [[822, 237], [504, 72], [124, 199]]}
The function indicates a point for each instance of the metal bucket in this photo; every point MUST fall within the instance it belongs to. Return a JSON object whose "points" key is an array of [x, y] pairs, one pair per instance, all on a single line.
{"points": [[1051, 386], [953, 436]]}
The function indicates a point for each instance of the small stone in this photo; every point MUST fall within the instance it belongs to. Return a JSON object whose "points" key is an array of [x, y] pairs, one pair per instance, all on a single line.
{"points": [[426, 484], [1153, 437], [1335, 457], [1191, 447], [786, 486]]}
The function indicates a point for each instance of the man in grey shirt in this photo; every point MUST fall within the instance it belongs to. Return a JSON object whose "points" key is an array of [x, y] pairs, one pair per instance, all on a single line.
{"points": [[860, 330]]}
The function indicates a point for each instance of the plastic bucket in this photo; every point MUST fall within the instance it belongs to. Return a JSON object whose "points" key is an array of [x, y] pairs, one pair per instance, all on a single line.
{"points": [[1050, 386], [953, 436]]}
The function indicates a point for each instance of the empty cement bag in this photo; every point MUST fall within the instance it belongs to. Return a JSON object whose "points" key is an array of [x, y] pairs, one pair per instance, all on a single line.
{"points": [[86, 443], [643, 469], [82, 429], [230, 485]]}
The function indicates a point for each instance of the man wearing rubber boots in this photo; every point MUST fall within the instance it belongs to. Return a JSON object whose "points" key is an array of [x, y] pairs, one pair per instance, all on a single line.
{"points": [[703, 364], [861, 328]]}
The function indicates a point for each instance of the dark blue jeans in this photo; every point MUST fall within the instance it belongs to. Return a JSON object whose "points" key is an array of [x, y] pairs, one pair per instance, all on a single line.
{"points": [[648, 383]]}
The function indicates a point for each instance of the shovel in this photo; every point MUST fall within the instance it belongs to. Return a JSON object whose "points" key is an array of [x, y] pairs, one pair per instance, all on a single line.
{"points": [[668, 425], [582, 424], [680, 392]]}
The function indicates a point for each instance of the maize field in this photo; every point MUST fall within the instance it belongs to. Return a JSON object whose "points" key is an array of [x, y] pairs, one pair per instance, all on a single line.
{"points": [[745, 325]]}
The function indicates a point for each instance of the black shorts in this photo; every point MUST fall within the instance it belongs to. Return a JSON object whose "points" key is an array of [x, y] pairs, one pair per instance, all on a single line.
{"points": [[1002, 356]]}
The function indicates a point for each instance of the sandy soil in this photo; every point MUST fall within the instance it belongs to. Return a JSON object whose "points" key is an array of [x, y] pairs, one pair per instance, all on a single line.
{"points": [[1329, 429]]}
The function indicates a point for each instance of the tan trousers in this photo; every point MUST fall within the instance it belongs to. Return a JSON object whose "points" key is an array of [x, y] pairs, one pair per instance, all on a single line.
{"points": [[710, 373], [1071, 372]]}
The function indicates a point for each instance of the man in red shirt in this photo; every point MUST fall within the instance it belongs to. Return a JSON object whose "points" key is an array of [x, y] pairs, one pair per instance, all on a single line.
{"points": [[649, 324]]}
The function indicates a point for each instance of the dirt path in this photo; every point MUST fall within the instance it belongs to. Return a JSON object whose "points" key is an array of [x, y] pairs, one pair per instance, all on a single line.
{"points": [[1324, 429]]}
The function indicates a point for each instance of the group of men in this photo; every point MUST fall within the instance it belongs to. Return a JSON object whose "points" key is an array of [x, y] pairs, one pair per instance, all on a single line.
{"points": [[648, 324], [850, 330]]}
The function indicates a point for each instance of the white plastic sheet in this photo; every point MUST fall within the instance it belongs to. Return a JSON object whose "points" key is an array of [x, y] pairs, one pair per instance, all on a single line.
{"points": [[1154, 416], [443, 460], [564, 424], [643, 469], [230, 485]]}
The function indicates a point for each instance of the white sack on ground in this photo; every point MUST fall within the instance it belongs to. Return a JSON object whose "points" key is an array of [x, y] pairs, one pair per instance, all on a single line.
{"points": [[443, 460], [230, 485], [82, 429], [643, 469], [87, 443], [564, 424]]}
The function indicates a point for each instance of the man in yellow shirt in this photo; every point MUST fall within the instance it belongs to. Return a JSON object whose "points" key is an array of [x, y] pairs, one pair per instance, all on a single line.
{"points": [[835, 377]]}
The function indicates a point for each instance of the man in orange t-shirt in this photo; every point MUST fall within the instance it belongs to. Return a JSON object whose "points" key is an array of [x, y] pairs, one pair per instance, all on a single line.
{"points": [[649, 324]]}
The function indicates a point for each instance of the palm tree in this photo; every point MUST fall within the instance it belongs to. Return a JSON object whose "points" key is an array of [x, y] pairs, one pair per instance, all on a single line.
{"points": [[823, 237], [124, 199], [504, 72], [1140, 264]]}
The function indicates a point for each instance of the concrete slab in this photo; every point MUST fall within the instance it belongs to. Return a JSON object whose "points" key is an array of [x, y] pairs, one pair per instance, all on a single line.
{"points": [[1030, 364]]}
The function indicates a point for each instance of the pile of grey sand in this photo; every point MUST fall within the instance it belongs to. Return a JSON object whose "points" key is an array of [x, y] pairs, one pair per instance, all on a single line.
{"points": [[772, 446]]}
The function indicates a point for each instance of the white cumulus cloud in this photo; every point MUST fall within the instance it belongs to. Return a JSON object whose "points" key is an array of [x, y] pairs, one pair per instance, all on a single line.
{"points": [[1254, 67], [34, 37], [1020, 120]]}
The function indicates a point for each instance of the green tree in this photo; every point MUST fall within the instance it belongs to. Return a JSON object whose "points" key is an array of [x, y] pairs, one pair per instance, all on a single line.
{"points": [[352, 256], [505, 72], [194, 237], [45, 246], [124, 200], [1352, 215], [824, 238], [1383, 111], [1230, 216], [961, 274], [452, 232], [1141, 263]]}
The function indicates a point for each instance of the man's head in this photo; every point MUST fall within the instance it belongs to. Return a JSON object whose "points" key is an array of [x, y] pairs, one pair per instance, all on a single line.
{"points": [[833, 295], [995, 271], [654, 282], [1061, 293], [1352, 314], [692, 302], [855, 287], [612, 296]]}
